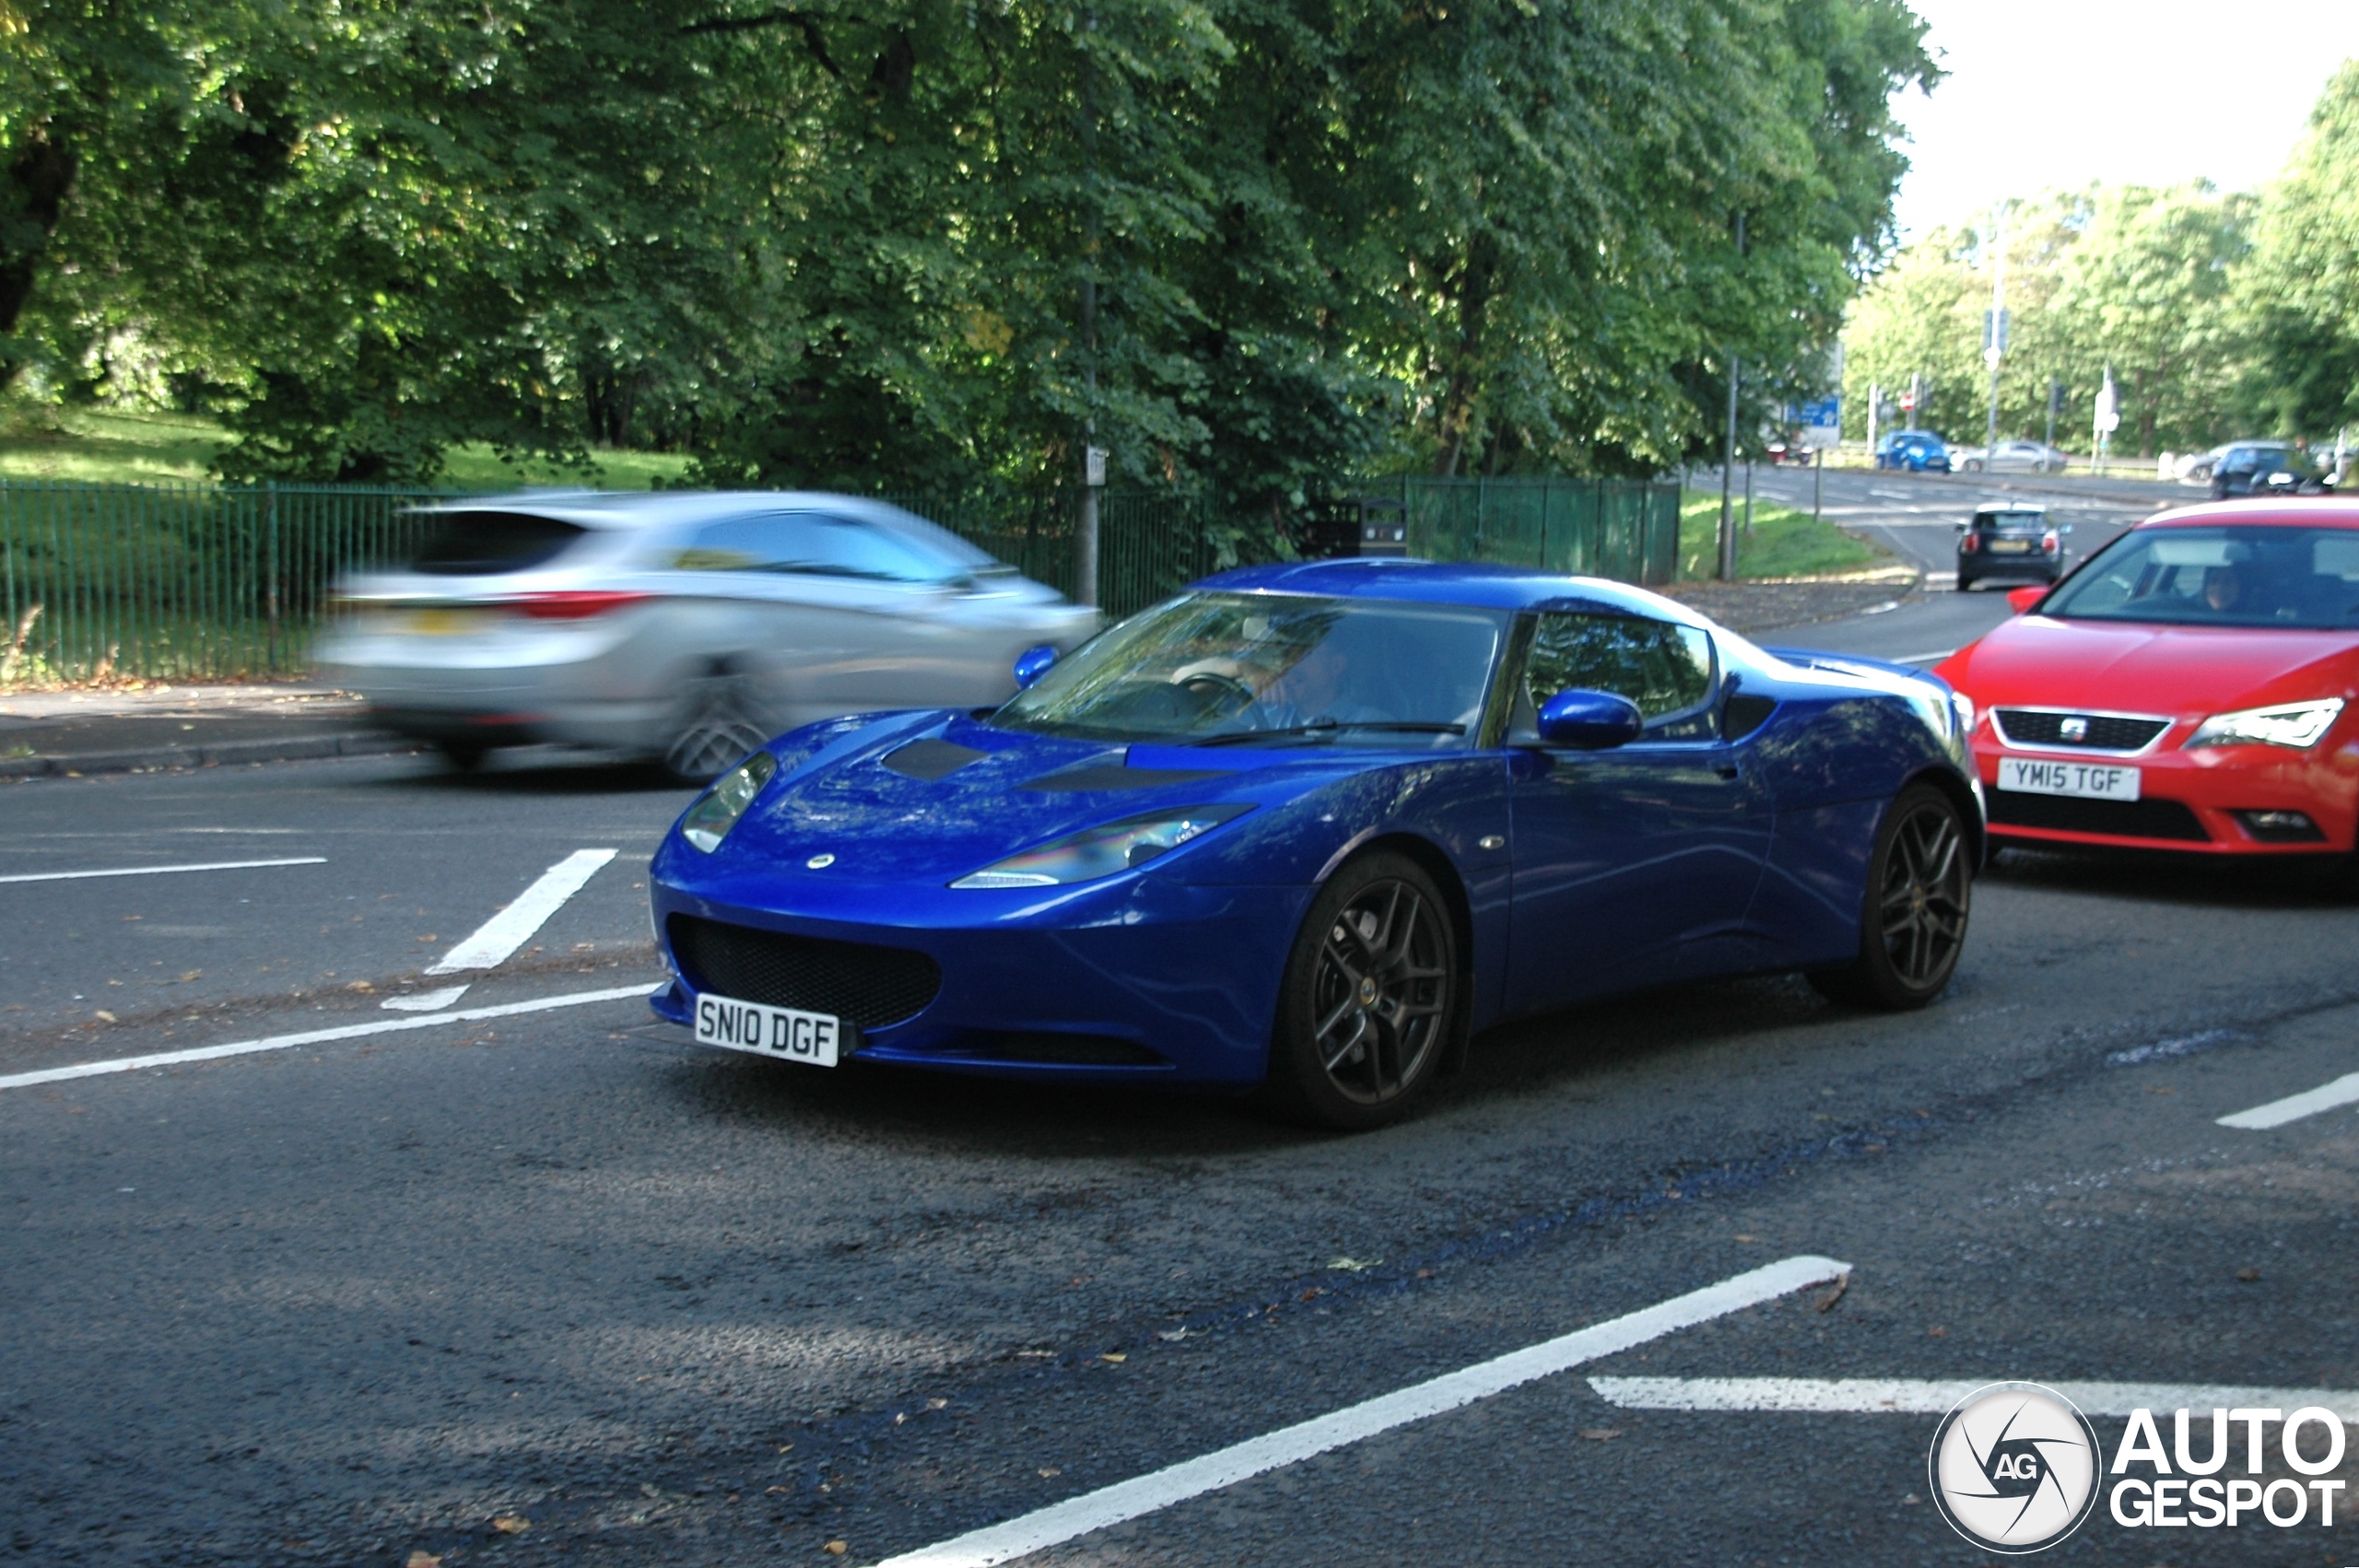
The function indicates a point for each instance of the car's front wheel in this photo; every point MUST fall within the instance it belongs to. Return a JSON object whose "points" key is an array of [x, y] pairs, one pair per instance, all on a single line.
{"points": [[1920, 892], [712, 727], [1371, 1000]]}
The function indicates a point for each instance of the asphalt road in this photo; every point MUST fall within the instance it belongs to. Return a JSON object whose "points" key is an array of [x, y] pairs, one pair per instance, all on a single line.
{"points": [[546, 1286]]}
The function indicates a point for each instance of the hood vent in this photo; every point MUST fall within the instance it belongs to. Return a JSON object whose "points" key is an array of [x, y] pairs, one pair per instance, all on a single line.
{"points": [[929, 760], [1106, 776]]}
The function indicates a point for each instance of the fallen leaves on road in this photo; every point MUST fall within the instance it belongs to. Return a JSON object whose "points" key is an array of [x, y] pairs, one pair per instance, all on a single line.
{"points": [[1601, 1433], [363, 987], [835, 1549], [2247, 1275], [1938, 1332], [1748, 1238], [1117, 1360], [1171, 1335], [1049, 1472], [106, 1017], [1827, 1303], [933, 1405], [423, 1560], [1353, 1265], [512, 1524]]}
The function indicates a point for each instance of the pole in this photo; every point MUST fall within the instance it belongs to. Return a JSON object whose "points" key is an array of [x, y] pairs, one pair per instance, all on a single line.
{"points": [[1727, 448], [2055, 397], [1748, 498], [1818, 482], [1996, 349], [1085, 522], [1875, 396]]}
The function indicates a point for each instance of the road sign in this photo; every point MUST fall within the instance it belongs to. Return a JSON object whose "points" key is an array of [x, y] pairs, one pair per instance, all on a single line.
{"points": [[1822, 422], [1908, 400], [2109, 407]]}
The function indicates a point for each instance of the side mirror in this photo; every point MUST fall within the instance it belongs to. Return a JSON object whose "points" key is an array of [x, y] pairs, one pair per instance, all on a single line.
{"points": [[1589, 721], [1033, 663], [2021, 600]]}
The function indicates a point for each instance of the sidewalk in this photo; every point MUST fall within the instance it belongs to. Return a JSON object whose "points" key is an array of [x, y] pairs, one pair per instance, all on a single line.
{"points": [[1771, 603], [121, 730]]}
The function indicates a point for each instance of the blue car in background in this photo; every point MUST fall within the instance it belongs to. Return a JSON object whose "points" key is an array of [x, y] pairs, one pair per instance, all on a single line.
{"points": [[1303, 829], [1919, 452]]}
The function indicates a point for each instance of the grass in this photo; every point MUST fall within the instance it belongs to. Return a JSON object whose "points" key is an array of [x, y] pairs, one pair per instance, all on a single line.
{"points": [[1784, 543], [103, 446]]}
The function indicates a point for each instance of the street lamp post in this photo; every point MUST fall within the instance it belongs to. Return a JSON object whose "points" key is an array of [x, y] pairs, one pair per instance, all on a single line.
{"points": [[1728, 452], [1994, 332]]}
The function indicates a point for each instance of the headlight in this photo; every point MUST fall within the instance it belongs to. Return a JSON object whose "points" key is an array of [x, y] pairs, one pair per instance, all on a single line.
{"points": [[710, 820], [1962, 706], [1101, 851], [2299, 725]]}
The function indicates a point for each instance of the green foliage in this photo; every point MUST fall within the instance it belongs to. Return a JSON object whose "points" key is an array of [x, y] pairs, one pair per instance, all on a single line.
{"points": [[844, 245], [2301, 292], [2132, 277]]}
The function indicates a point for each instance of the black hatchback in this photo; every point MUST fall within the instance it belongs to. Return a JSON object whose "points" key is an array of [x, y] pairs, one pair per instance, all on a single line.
{"points": [[2009, 541]]}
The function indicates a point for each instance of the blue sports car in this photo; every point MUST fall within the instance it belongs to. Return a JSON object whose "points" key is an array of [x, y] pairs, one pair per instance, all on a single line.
{"points": [[1306, 828]]}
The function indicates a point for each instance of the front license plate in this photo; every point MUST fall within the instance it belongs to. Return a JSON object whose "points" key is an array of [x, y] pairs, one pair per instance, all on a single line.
{"points": [[812, 1037], [2089, 780]]}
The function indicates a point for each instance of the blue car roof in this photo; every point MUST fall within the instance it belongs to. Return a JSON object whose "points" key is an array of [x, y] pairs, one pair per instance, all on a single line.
{"points": [[1448, 582]]}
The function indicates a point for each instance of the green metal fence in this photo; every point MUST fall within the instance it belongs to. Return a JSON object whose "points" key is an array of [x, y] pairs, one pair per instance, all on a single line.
{"points": [[206, 582], [1616, 528]]}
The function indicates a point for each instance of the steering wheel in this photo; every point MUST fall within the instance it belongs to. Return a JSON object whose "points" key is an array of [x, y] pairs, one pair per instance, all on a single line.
{"points": [[1221, 694]]}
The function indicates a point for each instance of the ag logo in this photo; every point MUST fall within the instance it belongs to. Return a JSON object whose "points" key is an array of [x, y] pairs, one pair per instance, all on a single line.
{"points": [[2016, 1468]]}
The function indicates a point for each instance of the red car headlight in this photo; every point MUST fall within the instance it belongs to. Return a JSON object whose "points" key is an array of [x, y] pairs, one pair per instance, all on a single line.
{"points": [[2295, 725]]}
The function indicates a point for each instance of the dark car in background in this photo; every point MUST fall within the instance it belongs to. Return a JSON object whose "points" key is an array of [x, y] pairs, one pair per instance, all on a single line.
{"points": [[2247, 468], [1916, 451], [2012, 541]]}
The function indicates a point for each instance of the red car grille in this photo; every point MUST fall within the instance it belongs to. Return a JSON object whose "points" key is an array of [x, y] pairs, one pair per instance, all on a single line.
{"points": [[2106, 733], [2122, 819]]}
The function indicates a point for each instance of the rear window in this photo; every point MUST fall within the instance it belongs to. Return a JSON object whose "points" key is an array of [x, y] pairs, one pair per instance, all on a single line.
{"points": [[2012, 522], [487, 544]]}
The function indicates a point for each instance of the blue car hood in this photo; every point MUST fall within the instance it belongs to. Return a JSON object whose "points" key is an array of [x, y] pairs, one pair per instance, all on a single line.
{"points": [[930, 802]]}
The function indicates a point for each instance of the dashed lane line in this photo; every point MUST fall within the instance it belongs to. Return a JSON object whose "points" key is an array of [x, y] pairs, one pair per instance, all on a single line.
{"points": [[512, 927], [2343, 1091], [1900, 1396], [160, 870], [1128, 1499], [316, 1036]]}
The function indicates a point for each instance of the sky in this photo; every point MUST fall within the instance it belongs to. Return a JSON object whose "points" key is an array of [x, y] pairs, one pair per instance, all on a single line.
{"points": [[2057, 93]]}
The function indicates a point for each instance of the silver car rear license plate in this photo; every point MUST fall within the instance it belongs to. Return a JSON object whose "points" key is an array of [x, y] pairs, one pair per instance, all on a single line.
{"points": [[813, 1038]]}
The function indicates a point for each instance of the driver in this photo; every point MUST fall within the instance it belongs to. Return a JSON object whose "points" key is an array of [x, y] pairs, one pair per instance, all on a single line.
{"points": [[1313, 688], [2224, 588]]}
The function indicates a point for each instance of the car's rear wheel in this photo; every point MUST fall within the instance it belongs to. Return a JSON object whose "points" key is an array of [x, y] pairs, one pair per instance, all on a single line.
{"points": [[1371, 999], [712, 728], [1919, 893], [463, 756]]}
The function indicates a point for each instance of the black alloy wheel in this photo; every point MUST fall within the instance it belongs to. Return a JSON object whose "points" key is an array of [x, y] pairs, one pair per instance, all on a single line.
{"points": [[1372, 997], [1919, 893], [463, 756], [712, 728]]}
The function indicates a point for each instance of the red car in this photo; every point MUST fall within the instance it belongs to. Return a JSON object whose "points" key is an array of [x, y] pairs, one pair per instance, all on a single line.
{"points": [[2193, 686]]}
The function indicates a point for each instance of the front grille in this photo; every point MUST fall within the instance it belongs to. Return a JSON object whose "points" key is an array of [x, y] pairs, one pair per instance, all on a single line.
{"points": [[2106, 732], [871, 986], [2125, 819]]}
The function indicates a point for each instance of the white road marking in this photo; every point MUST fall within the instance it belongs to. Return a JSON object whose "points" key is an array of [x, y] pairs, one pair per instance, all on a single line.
{"points": [[515, 926], [2343, 1091], [1126, 1499], [159, 871], [425, 1001], [315, 1037], [1868, 1395]]}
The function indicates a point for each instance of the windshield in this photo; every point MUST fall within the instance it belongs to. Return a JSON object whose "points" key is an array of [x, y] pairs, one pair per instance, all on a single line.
{"points": [[2224, 577], [1211, 668]]}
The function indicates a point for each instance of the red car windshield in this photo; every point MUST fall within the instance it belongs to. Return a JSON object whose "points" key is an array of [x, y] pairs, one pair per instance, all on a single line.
{"points": [[2301, 578]]}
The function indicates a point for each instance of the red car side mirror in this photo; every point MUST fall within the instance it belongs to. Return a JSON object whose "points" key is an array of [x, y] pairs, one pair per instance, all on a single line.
{"points": [[2021, 600]]}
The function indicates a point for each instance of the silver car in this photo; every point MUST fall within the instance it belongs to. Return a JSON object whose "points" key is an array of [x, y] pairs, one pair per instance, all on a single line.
{"points": [[688, 627]]}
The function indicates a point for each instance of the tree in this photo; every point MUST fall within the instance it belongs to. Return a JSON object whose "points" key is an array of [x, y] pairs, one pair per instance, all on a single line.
{"points": [[2300, 293]]}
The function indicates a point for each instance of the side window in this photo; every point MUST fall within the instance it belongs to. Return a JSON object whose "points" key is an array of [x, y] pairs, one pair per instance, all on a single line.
{"points": [[1665, 669], [839, 546], [767, 541]]}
